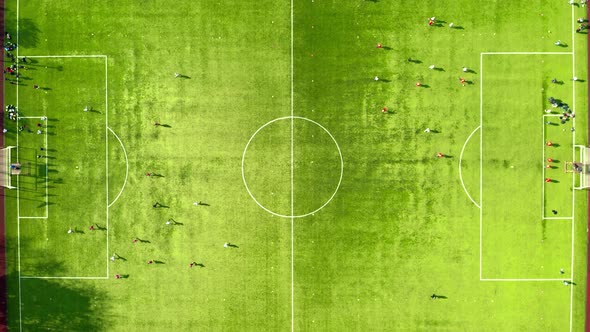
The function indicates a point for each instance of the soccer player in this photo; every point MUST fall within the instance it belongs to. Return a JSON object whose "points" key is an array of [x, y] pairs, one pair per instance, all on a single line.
{"points": [[439, 155]]}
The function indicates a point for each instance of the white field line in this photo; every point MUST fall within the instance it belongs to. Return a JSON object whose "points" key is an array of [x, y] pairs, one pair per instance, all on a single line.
{"points": [[67, 56], [46, 171], [543, 144], [543, 176], [106, 137], [461, 170], [573, 158], [480, 164], [527, 53], [126, 168], [30, 117], [20, 304], [75, 278], [292, 188], [558, 218], [523, 280], [339, 180]]}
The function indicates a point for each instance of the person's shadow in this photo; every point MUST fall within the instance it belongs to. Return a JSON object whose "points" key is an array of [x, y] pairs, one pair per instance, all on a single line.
{"points": [[232, 245]]}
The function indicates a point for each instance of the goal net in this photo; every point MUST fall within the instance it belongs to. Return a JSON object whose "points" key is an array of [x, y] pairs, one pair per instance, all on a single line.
{"points": [[7, 169], [580, 168]]}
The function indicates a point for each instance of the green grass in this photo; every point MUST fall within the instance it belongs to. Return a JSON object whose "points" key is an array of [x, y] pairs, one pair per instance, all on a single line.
{"points": [[400, 226]]}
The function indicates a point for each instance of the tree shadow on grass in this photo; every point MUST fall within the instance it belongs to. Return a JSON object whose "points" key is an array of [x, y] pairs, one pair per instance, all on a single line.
{"points": [[28, 33], [64, 305]]}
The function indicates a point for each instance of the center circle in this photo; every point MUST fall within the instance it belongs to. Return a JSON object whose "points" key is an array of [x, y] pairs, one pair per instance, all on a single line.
{"points": [[292, 167]]}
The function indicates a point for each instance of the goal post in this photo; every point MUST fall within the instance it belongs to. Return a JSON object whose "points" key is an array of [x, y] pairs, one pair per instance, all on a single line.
{"points": [[7, 169]]}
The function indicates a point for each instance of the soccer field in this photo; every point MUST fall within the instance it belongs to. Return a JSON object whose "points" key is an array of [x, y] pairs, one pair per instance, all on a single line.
{"points": [[296, 166]]}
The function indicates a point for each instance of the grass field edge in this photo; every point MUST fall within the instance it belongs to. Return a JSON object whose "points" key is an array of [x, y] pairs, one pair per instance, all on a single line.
{"points": [[587, 324], [3, 272]]}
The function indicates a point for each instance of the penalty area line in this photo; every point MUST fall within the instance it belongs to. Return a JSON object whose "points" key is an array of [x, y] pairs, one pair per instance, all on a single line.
{"points": [[74, 278], [533, 279], [65, 56]]}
